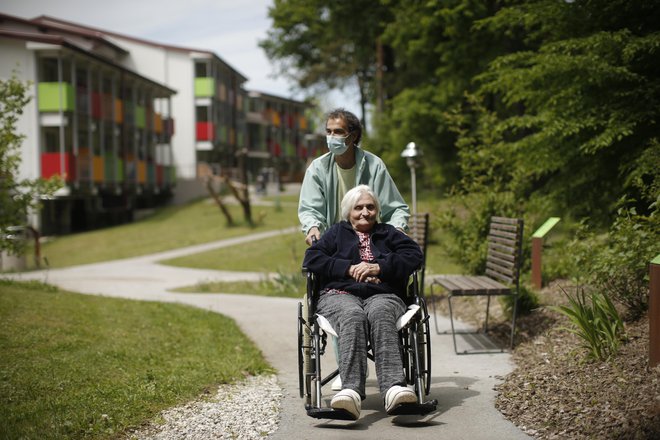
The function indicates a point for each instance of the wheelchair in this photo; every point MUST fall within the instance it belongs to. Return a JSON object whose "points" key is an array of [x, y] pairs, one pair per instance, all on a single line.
{"points": [[414, 338]]}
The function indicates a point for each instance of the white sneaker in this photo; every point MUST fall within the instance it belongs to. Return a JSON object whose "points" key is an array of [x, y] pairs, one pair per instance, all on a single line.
{"points": [[348, 400], [336, 384], [397, 395]]}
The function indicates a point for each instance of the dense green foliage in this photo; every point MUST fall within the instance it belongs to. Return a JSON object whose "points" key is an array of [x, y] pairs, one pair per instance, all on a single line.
{"points": [[17, 196], [616, 263], [324, 44], [525, 108], [79, 366]]}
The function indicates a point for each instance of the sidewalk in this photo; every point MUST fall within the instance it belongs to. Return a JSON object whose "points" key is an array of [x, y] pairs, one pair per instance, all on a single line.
{"points": [[463, 385]]}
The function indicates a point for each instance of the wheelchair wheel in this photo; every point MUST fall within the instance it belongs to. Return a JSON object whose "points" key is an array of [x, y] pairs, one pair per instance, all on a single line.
{"points": [[417, 353], [301, 356], [424, 347]]}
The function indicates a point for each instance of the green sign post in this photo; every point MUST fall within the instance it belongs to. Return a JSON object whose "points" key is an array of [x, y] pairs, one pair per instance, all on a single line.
{"points": [[537, 249]]}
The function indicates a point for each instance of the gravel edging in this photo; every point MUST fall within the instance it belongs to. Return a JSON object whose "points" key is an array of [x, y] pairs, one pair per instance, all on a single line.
{"points": [[249, 409]]}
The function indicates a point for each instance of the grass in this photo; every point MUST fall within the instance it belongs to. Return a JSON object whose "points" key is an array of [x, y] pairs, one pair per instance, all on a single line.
{"points": [[283, 253], [282, 285], [77, 366], [169, 228]]}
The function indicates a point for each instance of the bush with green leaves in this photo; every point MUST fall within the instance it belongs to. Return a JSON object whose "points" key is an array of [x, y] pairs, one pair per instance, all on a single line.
{"points": [[617, 263], [595, 320], [528, 300], [17, 196], [468, 221]]}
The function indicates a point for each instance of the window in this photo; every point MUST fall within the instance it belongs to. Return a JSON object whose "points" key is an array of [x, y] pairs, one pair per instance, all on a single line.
{"points": [[202, 69]]}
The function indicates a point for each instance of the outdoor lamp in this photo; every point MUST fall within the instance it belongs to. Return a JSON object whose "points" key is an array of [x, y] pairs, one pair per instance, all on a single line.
{"points": [[411, 153]]}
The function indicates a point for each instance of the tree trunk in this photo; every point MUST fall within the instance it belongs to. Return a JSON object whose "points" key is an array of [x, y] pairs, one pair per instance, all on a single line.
{"points": [[218, 201]]}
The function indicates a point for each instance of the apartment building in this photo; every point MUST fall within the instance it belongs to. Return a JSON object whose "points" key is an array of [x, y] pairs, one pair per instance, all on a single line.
{"points": [[105, 129], [104, 117], [280, 136]]}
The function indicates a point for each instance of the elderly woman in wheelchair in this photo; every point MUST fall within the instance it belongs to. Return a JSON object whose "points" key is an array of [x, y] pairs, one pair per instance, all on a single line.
{"points": [[363, 269]]}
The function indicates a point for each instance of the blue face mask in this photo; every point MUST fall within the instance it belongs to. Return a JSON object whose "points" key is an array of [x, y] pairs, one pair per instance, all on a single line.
{"points": [[337, 145]]}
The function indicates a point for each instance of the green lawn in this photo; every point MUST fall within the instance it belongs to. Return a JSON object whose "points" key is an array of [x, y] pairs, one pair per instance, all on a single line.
{"points": [[170, 228], [78, 366]]}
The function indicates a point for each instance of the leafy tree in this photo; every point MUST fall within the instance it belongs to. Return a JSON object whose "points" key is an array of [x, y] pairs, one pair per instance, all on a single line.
{"points": [[577, 114], [17, 196], [325, 45], [438, 49]]}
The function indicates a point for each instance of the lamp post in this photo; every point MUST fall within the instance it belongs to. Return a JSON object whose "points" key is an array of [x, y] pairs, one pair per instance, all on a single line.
{"points": [[411, 153]]}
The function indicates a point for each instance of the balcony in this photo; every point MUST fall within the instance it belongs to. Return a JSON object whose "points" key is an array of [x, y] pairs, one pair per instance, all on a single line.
{"points": [[204, 87], [58, 164], [205, 131], [141, 172], [119, 111], [54, 96], [113, 169], [159, 174], [140, 116], [158, 123], [98, 169]]}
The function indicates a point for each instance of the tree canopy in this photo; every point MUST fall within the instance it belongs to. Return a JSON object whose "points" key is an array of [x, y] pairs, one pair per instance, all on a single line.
{"points": [[536, 98]]}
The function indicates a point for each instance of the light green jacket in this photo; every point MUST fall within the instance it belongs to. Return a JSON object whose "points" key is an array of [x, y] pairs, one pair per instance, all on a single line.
{"points": [[318, 202]]}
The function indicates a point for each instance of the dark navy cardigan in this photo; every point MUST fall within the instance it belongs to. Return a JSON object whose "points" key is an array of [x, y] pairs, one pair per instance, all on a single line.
{"points": [[397, 255]]}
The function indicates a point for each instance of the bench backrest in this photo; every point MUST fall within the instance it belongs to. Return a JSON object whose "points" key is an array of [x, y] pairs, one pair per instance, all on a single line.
{"points": [[418, 230], [504, 249]]}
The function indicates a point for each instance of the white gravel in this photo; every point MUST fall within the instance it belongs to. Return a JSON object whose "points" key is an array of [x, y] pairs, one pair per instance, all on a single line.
{"points": [[246, 410]]}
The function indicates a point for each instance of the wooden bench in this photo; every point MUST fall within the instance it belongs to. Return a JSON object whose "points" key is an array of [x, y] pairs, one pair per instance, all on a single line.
{"points": [[502, 272]]}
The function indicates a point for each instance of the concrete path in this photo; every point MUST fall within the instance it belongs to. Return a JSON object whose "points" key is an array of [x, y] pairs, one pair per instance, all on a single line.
{"points": [[463, 385]]}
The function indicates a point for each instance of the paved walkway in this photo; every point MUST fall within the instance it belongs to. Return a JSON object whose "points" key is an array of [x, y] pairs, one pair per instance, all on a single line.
{"points": [[463, 385]]}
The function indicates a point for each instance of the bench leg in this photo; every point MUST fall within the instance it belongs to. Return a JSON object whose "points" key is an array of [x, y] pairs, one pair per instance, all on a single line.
{"points": [[487, 313], [451, 320], [513, 320]]}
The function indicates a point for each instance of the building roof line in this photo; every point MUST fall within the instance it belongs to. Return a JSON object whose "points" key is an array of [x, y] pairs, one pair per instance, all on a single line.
{"points": [[66, 25], [62, 41]]}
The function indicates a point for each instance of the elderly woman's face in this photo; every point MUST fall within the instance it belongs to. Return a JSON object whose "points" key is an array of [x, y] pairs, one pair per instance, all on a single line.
{"points": [[363, 215]]}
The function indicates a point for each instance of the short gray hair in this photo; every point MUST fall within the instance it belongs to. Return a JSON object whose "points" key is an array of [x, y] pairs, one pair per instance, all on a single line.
{"points": [[352, 197]]}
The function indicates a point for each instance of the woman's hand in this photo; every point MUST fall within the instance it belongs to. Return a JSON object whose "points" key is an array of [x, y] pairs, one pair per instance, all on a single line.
{"points": [[364, 272]]}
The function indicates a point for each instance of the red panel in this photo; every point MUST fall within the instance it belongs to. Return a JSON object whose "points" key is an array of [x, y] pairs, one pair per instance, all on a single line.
{"points": [[205, 131], [51, 165], [96, 105], [159, 174]]}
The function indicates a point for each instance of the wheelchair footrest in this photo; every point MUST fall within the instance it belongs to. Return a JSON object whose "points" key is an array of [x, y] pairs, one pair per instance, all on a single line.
{"points": [[421, 409], [330, 413]]}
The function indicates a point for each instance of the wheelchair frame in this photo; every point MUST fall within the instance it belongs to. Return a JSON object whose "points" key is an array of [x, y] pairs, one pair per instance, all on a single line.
{"points": [[415, 345]]}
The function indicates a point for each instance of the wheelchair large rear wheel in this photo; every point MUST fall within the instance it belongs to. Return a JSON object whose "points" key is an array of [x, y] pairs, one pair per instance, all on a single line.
{"points": [[424, 344], [418, 336], [301, 355]]}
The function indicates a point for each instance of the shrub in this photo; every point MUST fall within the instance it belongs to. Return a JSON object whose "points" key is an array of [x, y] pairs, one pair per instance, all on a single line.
{"points": [[468, 221], [528, 300], [617, 263], [595, 320]]}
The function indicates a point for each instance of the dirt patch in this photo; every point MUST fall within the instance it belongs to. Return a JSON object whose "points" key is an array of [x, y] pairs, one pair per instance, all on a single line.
{"points": [[555, 393]]}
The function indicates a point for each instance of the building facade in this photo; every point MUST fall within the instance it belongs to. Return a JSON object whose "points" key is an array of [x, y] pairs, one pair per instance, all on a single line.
{"points": [[103, 117], [105, 129]]}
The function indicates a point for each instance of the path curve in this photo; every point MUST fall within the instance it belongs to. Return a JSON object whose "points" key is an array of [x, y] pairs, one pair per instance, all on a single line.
{"points": [[463, 385]]}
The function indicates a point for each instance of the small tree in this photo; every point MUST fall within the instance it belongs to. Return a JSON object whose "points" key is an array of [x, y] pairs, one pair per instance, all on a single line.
{"points": [[17, 196]]}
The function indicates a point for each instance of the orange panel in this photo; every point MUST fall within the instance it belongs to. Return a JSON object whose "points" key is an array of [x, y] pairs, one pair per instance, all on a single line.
{"points": [[119, 111], [98, 169], [141, 171]]}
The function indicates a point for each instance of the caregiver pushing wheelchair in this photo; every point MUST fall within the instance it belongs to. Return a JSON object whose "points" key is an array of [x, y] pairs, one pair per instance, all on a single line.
{"points": [[363, 288]]}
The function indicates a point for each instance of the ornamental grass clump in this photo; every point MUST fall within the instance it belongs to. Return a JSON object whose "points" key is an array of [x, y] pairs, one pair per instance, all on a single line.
{"points": [[595, 320]]}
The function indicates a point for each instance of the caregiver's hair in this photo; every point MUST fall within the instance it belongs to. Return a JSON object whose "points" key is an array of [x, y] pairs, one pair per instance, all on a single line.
{"points": [[351, 198]]}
